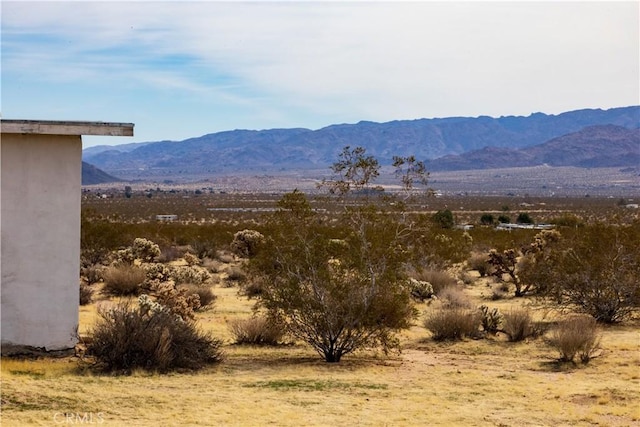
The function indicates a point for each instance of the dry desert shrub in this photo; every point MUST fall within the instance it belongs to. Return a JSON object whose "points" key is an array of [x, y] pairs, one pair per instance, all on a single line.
{"points": [[149, 337], [519, 324], [453, 296], [86, 294], [480, 262], [206, 295], [212, 265], [257, 330], [123, 279], [453, 323], [576, 336], [92, 274], [236, 274], [439, 279]]}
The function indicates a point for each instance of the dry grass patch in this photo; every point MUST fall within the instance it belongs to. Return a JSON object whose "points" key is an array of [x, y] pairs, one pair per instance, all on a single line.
{"points": [[471, 382]]}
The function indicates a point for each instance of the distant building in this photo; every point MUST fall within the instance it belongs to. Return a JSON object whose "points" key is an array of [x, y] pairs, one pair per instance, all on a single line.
{"points": [[41, 189], [167, 218], [511, 226]]}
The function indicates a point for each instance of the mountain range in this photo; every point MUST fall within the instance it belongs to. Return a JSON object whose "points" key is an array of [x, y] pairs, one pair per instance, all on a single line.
{"points": [[584, 138]]}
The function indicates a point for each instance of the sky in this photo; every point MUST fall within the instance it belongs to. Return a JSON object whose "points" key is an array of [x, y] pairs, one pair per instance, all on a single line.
{"points": [[180, 69]]}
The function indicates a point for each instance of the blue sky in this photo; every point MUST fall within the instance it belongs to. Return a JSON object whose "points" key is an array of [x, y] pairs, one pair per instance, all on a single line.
{"points": [[184, 69]]}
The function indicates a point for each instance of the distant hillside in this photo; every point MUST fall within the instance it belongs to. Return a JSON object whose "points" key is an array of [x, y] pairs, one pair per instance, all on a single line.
{"points": [[121, 148], [593, 146], [294, 149], [92, 175]]}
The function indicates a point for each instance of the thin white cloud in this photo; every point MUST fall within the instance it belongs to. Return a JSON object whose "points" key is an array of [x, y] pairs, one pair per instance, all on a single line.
{"points": [[356, 60]]}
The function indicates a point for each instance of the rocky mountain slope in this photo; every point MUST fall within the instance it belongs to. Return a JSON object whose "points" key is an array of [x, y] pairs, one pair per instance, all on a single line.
{"points": [[593, 146], [291, 149], [91, 175]]}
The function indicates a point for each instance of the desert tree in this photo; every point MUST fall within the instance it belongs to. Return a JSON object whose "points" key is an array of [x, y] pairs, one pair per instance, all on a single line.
{"points": [[340, 288], [594, 271]]}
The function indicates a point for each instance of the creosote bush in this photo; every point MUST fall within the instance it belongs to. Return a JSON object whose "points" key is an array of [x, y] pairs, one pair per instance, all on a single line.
{"points": [[576, 336], [257, 330], [149, 337], [453, 323], [123, 279]]}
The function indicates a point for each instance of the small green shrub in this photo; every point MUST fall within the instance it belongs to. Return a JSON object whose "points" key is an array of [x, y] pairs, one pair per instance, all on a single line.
{"points": [[504, 219], [519, 325], [256, 330], [453, 323], [487, 219], [123, 279], [576, 336], [149, 337], [524, 218], [443, 219]]}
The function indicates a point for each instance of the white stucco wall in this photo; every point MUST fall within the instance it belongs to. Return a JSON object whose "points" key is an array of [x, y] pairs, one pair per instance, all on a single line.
{"points": [[40, 228]]}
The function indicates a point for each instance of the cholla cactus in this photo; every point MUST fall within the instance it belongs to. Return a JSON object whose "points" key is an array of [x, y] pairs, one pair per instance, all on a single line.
{"points": [[145, 250], [420, 290], [190, 274], [149, 306], [157, 271], [125, 256], [247, 242], [191, 259], [175, 300], [491, 319]]}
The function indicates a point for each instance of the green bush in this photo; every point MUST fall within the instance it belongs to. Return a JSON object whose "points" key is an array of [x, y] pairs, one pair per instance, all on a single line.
{"points": [[443, 219], [257, 330], [487, 219], [453, 323], [123, 279], [524, 218], [149, 337], [504, 219], [576, 336]]}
